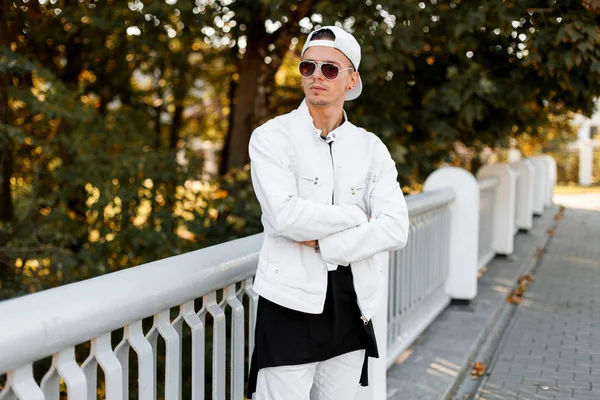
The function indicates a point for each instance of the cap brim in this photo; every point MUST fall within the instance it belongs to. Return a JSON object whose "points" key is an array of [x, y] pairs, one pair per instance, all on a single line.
{"points": [[355, 91]]}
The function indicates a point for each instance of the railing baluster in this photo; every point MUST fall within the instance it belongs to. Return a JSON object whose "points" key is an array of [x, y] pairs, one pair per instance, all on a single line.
{"points": [[50, 384], [253, 307], [113, 373], [172, 356], [219, 346], [145, 355], [393, 328], [23, 385], [122, 353], [71, 374], [90, 370], [197, 327], [414, 265], [237, 342], [7, 393], [404, 278]]}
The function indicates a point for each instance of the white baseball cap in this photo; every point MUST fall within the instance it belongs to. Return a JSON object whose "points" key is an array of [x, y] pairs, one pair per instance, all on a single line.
{"points": [[344, 42]]}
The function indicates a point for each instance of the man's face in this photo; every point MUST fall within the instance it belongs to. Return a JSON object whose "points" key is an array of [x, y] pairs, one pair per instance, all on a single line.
{"points": [[320, 91]]}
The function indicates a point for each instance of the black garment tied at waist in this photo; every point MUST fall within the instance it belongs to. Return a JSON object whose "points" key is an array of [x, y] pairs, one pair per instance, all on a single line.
{"points": [[289, 337]]}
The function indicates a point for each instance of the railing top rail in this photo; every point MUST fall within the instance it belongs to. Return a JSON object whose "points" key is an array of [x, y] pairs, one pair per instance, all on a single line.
{"points": [[487, 183], [429, 201], [41, 324]]}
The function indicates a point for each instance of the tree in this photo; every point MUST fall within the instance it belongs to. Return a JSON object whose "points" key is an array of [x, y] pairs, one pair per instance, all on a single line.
{"points": [[93, 191], [6, 144], [99, 99], [262, 58], [471, 72]]}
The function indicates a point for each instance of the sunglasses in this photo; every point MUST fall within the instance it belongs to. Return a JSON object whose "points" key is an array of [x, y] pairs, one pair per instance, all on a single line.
{"points": [[330, 71]]}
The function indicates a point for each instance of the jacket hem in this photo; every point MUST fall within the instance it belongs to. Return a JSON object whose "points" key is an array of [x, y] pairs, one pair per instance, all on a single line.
{"points": [[289, 297]]}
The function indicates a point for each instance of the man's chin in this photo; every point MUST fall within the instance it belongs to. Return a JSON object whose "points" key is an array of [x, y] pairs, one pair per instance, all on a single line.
{"points": [[318, 101]]}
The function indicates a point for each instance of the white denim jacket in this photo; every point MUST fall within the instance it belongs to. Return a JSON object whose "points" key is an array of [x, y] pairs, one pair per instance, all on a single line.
{"points": [[315, 189]]}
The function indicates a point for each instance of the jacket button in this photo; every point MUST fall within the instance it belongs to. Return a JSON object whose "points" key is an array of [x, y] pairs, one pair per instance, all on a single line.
{"points": [[353, 192], [315, 182], [276, 271], [334, 135], [317, 178]]}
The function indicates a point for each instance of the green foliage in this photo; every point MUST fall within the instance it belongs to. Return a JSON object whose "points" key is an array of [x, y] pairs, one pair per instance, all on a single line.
{"points": [[94, 192], [105, 97]]}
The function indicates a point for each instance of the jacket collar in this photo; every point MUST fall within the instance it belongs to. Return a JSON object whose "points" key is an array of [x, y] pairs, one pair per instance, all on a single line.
{"points": [[307, 121]]}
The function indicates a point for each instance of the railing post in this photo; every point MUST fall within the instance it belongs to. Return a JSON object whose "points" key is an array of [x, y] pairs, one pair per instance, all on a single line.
{"points": [[514, 155], [586, 161], [503, 228], [464, 230], [525, 190], [540, 184], [551, 164], [377, 388]]}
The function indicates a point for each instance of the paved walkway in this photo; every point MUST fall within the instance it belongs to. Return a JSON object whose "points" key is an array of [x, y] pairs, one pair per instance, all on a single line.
{"points": [[551, 347], [441, 357]]}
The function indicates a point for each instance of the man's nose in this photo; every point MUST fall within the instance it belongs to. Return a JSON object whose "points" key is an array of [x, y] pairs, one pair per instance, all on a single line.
{"points": [[318, 74]]}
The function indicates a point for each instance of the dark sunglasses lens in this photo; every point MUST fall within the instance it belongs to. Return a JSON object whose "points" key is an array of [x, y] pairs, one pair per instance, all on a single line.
{"points": [[330, 71], [306, 68]]}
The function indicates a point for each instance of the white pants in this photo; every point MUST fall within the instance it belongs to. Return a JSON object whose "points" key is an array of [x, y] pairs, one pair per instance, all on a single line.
{"points": [[333, 379]]}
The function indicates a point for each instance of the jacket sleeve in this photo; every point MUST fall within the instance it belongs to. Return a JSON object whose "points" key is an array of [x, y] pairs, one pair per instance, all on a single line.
{"points": [[275, 186], [387, 229]]}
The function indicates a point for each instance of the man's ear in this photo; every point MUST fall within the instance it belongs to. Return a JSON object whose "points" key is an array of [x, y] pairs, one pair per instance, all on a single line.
{"points": [[353, 80]]}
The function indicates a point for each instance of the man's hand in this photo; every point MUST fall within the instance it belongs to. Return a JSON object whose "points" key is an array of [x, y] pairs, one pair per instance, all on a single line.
{"points": [[311, 243]]}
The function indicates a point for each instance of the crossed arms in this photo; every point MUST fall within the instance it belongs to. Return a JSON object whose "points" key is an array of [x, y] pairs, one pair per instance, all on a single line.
{"points": [[344, 233]]}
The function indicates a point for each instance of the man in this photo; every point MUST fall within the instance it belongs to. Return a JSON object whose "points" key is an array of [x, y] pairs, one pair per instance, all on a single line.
{"points": [[331, 203]]}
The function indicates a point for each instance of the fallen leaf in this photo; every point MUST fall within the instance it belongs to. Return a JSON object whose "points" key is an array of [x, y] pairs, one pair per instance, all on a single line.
{"points": [[540, 252], [525, 279], [514, 299], [545, 387], [550, 232], [479, 369]]}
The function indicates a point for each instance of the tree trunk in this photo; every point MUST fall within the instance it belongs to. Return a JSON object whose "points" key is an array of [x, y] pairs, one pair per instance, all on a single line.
{"points": [[250, 107], [223, 167], [6, 171], [247, 93], [6, 144], [176, 125]]}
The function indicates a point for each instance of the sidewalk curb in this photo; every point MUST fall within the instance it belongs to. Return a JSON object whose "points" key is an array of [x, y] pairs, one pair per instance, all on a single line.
{"points": [[497, 322]]}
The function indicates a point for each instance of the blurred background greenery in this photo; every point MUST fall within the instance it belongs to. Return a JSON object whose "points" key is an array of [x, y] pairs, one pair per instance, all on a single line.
{"points": [[124, 125]]}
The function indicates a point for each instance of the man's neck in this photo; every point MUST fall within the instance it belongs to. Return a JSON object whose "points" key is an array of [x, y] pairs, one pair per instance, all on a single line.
{"points": [[326, 118]]}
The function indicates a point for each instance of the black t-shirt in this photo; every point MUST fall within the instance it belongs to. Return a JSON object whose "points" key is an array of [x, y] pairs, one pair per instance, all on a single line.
{"points": [[289, 337]]}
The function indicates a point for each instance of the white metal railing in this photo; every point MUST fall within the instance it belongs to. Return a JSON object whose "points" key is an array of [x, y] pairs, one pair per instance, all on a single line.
{"points": [[487, 188], [197, 292], [149, 331], [418, 272], [180, 293]]}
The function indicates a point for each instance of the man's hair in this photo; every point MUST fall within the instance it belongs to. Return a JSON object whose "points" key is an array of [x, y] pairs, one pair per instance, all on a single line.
{"points": [[323, 34]]}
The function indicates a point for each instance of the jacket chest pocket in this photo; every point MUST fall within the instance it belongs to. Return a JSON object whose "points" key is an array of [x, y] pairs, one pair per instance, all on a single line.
{"points": [[306, 184], [362, 187]]}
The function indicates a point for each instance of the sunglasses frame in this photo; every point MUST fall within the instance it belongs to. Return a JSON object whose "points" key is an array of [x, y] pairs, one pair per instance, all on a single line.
{"points": [[319, 65]]}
